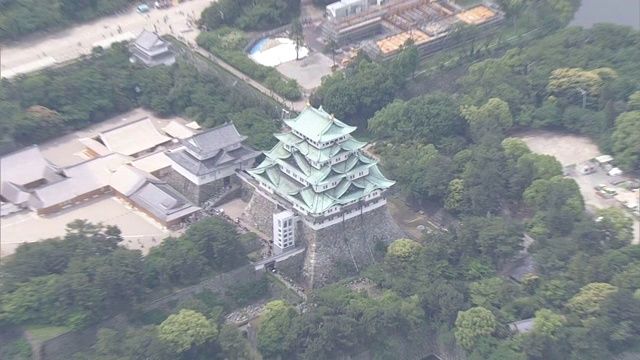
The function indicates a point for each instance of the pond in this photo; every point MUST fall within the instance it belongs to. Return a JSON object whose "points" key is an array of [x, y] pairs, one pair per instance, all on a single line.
{"points": [[621, 12]]}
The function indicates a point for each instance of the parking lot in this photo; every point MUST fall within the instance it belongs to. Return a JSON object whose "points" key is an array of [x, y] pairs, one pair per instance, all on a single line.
{"points": [[572, 149], [139, 231]]}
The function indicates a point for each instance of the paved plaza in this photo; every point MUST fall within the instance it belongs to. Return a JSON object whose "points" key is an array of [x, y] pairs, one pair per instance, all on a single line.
{"points": [[308, 72], [34, 54], [138, 230]]}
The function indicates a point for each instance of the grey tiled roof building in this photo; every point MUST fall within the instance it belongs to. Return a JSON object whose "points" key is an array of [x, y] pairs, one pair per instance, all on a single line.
{"points": [[151, 50], [209, 160]]}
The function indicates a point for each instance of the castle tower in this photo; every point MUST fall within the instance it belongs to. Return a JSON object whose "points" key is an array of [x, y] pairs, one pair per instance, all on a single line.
{"points": [[207, 162], [317, 188]]}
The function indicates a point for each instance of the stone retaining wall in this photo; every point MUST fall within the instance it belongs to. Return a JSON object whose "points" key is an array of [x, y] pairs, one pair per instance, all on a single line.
{"points": [[348, 247], [62, 347], [218, 284], [260, 212], [341, 250]]}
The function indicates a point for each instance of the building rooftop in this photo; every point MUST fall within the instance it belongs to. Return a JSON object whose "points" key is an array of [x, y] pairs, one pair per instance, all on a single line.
{"points": [[162, 201], [178, 130], [521, 267], [152, 162], [327, 183], [80, 179], [95, 146], [476, 15], [26, 166], [318, 125], [147, 40], [127, 180], [396, 42], [221, 159], [522, 326], [214, 139], [133, 138]]}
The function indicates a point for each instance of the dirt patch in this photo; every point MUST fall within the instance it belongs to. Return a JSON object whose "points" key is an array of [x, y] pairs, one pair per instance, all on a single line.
{"points": [[569, 149], [408, 219]]}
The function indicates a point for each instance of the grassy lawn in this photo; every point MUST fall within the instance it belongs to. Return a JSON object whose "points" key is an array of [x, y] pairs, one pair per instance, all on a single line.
{"points": [[45, 332]]}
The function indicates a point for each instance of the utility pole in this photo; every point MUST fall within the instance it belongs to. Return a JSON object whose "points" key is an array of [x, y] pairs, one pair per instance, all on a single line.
{"points": [[584, 96]]}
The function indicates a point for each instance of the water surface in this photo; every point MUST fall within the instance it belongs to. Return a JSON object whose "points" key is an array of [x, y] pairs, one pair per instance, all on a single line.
{"points": [[621, 12]]}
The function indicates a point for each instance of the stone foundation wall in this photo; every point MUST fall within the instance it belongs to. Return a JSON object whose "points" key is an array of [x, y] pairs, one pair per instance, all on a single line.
{"points": [[346, 248], [260, 212], [62, 347], [197, 194], [335, 252], [292, 267]]}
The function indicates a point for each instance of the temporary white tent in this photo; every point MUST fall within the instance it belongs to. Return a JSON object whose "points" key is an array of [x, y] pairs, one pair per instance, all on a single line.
{"points": [[277, 54]]}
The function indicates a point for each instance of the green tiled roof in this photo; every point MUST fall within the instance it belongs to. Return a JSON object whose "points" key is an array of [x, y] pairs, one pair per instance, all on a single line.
{"points": [[297, 162], [318, 125]]}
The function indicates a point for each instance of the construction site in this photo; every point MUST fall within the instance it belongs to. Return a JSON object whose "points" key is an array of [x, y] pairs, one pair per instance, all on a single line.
{"points": [[382, 27]]}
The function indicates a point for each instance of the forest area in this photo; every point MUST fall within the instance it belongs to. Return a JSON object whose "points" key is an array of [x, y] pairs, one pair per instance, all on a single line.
{"points": [[58, 101], [88, 275], [453, 148]]}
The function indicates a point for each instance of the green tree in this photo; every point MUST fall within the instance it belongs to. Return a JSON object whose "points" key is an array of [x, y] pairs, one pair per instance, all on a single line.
{"points": [[135, 343], [514, 148], [429, 118], [490, 292], [543, 166], [296, 32], [332, 47], [625, 140], [186, 330], [484, 178], [473, 324], [634, 102], [617, 224], [547, 323], [494, 117], [455, 199], [403, 254], [233, 344], [176, 261], [558, 201], [588, 302], [38, 124], [217, 241], [407, 61], [279, 328]]}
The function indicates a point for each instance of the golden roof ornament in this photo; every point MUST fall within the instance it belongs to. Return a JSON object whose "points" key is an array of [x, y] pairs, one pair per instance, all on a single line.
{"points": [[331, 117], [308, 103]]}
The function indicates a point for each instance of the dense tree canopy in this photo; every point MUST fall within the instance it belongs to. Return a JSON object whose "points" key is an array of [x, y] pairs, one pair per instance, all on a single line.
{"points": [[94, 277], [58, 101], [187, 329], [250, 15]]}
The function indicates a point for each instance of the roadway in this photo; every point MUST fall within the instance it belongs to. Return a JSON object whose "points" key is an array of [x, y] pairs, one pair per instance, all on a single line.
{"points": [[36, 53], [67, 45]]}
